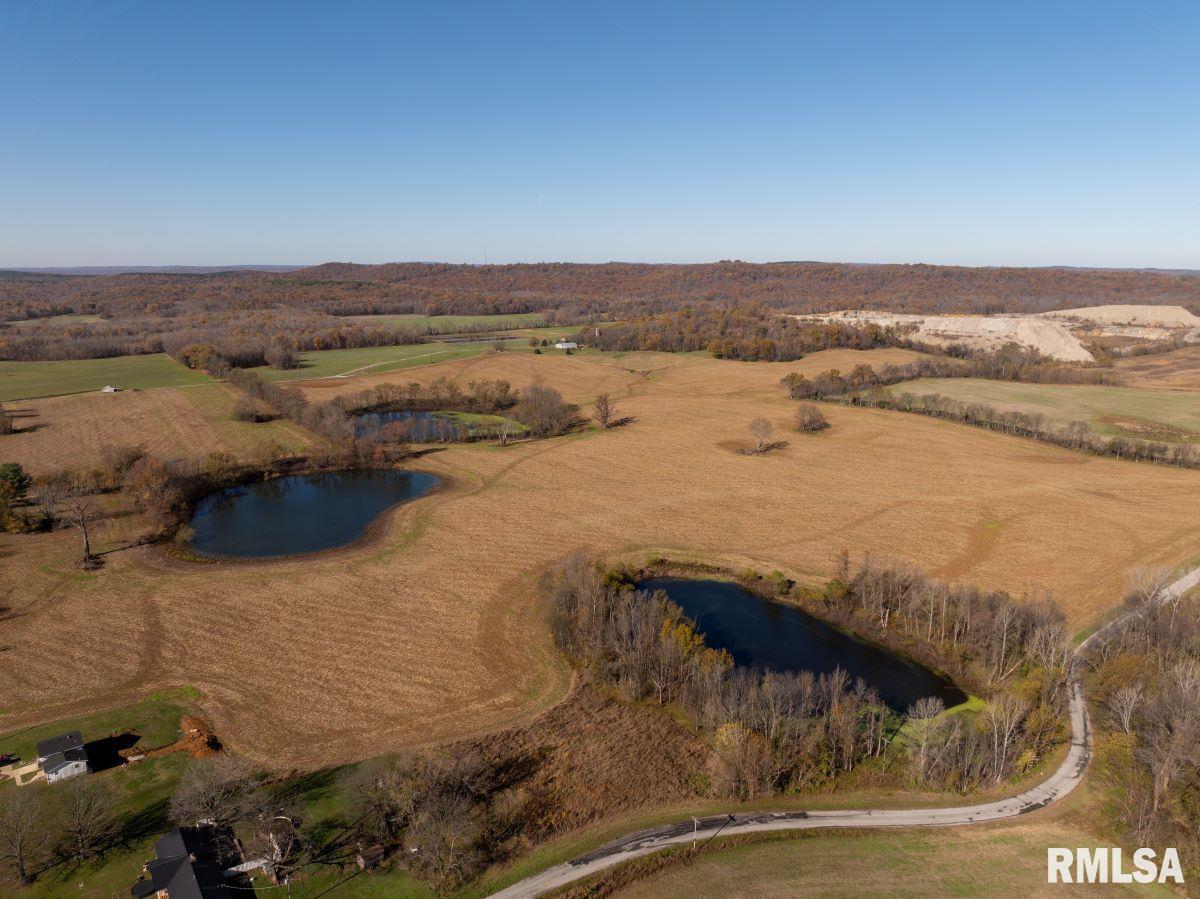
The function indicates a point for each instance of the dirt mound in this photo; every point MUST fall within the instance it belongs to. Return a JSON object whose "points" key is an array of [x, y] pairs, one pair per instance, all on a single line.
{"points": [[196, 739], [1129, 314], [978, 331]]}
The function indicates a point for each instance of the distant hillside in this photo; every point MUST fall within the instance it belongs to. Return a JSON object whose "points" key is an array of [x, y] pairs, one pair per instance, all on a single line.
{"points": [[246, 311], [10, 274], [804, 286], [151, 269]]}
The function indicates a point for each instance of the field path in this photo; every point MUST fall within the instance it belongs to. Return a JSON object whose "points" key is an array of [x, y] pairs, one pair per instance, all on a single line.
{"points": [[1053, 789]]}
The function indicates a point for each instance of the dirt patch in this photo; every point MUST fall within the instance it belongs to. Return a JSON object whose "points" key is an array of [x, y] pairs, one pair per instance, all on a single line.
{"points": [[1144, 429], [1176, 370], [596, 757]]}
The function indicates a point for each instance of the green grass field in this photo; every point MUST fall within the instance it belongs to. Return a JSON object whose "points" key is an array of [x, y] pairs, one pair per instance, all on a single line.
{"points": [[1114, 411], [26, 380], [328, 363], [449, 324], [155, 719], [57, 320]]}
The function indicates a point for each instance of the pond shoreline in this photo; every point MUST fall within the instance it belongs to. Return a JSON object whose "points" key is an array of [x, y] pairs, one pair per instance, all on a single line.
{"points": [[668, 568], [175, 547]]}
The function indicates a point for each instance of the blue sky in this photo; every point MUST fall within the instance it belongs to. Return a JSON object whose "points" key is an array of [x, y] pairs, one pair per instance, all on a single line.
{"points": [[971, 133]]}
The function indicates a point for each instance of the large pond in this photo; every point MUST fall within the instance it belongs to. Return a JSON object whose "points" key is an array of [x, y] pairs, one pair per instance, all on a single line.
{"points": [[300, 513], [759, 633]]}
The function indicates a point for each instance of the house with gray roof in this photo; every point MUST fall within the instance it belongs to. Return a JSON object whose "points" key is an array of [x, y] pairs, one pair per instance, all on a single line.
{"points": [[63, 756], [186, 867]]}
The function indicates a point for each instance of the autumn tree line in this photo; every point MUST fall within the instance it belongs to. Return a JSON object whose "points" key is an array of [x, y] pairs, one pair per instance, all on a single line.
{"points": [[867, 386], [790, 732], [751, 333], [538, 408], [1143, 676]]}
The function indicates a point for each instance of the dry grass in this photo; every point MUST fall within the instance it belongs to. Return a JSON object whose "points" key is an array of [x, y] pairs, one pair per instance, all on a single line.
{"points": [[1177, 370], [1002, 861], [433, 632], [597, 759], [69, 431]]}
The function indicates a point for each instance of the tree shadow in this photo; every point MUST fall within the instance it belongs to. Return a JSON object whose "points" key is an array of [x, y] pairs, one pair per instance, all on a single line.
{"points": [[317, 784], [146, 822], [622, 422], [766, 448], [141, 541], [105, 753]]}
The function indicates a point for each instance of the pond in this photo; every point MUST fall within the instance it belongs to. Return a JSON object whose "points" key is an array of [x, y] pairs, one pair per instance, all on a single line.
{"points": [[299, 513], [432, 427], [760, 633]]}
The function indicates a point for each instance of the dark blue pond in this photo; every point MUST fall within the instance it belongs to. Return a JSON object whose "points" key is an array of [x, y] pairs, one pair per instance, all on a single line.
{"points": [[422, 427], [759, 633], [301, 513]]}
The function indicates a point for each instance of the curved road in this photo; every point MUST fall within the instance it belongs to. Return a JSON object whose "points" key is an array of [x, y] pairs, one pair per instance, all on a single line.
{"points": [[1068, 776]]}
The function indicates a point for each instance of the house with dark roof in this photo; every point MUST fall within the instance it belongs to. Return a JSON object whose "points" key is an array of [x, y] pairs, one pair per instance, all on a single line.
{"points": [[186, 867], [63, 756]]}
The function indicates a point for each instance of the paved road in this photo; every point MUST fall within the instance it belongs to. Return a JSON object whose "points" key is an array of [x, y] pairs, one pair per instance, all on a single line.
{"points": [[1068, 776]]}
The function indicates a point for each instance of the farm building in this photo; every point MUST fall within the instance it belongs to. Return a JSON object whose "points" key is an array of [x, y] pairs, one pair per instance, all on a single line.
{"points": [[110, 389], [566, 345], [62, 757], [186, 867]]}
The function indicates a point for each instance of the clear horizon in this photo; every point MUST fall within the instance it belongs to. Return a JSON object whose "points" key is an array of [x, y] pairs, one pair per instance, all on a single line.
{"points": [[251, 265], [1017, 135]]}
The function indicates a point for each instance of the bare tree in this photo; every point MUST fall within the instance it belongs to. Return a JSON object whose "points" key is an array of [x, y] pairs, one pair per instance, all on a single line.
{"points": [[1123, 705], [87, 807], [543, 410], [1170, 742], [6, 422], [277, 837], [1004, 715], [280, 355], [602, 411], [504, 431], [922, 716], [444, 836], [810, 419], [72, 504], [22, 829], [760, 430], [219, 791], [1147, 582]]}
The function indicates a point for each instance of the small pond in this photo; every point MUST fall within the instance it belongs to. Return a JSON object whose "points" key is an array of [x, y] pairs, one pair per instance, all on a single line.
{"points": [[300, 513], [759, 633], [431, 427]]}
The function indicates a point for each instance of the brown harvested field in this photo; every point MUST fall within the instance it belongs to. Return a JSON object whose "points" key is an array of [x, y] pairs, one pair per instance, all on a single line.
{"points": [[1176, 370], [433, 632], [69, 431]]}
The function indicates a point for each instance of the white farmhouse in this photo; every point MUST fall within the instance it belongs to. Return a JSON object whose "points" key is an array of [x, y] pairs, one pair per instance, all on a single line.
{"points": [[110, 389], [63, 756], [565, 344]]}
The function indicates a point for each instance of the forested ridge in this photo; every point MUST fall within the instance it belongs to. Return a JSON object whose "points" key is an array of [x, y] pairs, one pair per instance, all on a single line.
{"points": [[146, 312]]}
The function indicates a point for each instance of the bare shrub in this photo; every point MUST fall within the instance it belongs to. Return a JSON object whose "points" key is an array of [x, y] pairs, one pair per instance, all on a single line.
{"points": [[542, 409], [810, 419]]}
